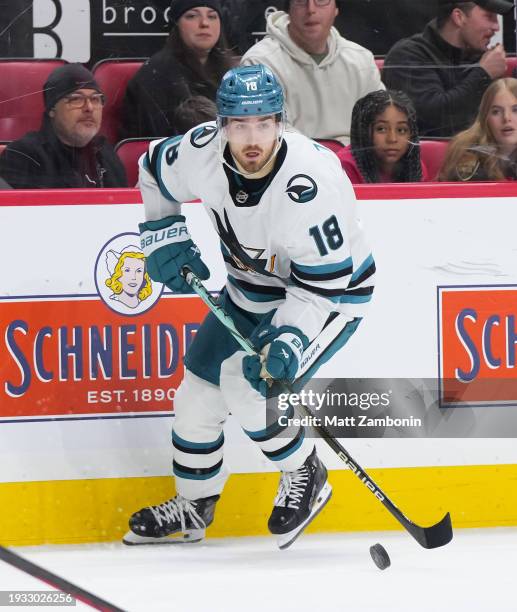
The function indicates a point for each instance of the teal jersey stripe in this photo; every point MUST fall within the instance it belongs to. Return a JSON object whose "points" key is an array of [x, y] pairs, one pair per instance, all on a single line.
{"points": [[196, 445], [187, 476], [351, 299], [326, 268], [366, 264], [289, 451], [272, 430]]}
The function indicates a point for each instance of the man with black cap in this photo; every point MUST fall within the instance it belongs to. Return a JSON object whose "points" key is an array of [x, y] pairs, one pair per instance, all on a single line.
{"points": [[67, 151], [191, 63], [446, 69]]}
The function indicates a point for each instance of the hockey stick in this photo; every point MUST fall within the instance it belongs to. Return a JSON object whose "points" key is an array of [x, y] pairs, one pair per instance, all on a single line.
{"points": [[428, 537], [56, 581]]}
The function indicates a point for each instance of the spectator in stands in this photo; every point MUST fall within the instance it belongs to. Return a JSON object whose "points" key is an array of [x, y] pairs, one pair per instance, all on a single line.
{"points": [[322, 73], [487, 151], [384, 145], [446, 69], [192, 63], [67, 151], [193, 111]]}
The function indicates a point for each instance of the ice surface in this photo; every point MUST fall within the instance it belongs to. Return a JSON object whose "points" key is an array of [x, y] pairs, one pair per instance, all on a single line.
{"points": [[334, 572]]}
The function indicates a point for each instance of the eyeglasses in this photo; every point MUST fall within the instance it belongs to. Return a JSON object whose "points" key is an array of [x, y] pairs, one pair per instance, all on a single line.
{"points": [[78, 100], [305, 2]]}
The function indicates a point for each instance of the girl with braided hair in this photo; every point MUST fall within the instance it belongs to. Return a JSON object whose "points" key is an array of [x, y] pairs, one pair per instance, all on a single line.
{"points": [[384, 144]]}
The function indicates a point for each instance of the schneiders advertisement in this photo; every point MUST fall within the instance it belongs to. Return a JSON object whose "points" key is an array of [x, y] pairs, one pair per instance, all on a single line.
{"points": [[85, 334], [119, 348]]}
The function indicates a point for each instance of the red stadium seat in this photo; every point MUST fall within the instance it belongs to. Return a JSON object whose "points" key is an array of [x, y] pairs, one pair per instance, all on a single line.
{"points": [[511, 65], [129, 152], [112, 75], [380, 62], [21, 94], [2, 147], [333, 145], [432, 153]]}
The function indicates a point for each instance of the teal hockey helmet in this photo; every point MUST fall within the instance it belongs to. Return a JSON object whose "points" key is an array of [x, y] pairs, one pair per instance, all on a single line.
{"points": [[249, 91]]}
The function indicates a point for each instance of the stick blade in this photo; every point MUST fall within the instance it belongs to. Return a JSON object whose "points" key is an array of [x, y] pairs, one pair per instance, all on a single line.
{"points": [[435, 536]]}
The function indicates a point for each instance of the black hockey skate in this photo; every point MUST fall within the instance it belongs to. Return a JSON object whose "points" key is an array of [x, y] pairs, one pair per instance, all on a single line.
{"points": [[175, 521], [302, 494]]}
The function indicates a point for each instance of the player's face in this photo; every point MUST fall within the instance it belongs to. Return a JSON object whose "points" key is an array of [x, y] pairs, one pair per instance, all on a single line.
{"points": [[76, 125], [477, 29], [310, 23], [252, 140], [132, 275], [200, 29], [390, 135], [502, 120]]}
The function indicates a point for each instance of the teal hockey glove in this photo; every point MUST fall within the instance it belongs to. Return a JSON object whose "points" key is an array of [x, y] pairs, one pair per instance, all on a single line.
{"points": [[168, 247], [281, 352]]}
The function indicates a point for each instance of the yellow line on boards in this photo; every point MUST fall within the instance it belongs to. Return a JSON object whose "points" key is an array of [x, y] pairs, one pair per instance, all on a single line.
{"points": [[75, 511]]}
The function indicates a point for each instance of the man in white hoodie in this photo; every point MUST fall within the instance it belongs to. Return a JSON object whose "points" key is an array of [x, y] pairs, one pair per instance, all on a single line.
{"points": [[322, 73]]}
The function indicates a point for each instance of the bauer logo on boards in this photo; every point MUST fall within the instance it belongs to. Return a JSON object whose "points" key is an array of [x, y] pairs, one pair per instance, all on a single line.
{"points": [[478, 345]]}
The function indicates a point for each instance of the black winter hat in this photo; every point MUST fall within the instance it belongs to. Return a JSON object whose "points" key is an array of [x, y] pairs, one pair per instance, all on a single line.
{"points": [[178, 7], [65, 80], [495, 6]]}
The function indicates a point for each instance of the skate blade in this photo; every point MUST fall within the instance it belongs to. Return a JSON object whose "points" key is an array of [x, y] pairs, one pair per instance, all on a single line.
{"points": [[187, 537], [286, 539]]}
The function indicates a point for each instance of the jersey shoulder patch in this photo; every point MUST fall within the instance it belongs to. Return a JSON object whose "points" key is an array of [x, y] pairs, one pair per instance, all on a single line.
{"points": [[203, 134], [302, 188]]}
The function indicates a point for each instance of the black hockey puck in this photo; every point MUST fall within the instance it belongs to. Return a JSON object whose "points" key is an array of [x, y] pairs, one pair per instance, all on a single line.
{"points": [[380, 556]]}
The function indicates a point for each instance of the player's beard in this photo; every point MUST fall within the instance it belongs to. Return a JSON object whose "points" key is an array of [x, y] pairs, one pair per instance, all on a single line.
{"points": [[259, 164]]}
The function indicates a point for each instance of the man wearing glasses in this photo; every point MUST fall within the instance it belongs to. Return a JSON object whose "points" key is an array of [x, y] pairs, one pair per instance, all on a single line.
{"points": [[322, 73], [67, 151]]}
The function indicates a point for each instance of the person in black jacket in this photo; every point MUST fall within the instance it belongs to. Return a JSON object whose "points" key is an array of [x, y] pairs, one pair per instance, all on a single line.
{"points": [[192, 63], [446, 69], [67, 151]]}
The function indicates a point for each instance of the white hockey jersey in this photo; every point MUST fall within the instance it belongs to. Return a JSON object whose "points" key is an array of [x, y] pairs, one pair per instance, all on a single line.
{"points": [[294, 245]]}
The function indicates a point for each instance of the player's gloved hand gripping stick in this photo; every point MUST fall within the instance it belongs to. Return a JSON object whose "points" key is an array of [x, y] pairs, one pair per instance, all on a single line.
{"points": [[277, 353], [168, 247], [428, 537]]}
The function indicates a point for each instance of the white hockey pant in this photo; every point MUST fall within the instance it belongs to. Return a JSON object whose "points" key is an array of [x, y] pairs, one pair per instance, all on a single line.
{"points": [[201, 410]]}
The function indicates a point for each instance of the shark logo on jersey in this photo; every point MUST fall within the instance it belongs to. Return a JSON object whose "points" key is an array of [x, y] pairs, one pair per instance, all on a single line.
{"points": [[301, 189], [243, 258], [254, 254], [202, 135]]}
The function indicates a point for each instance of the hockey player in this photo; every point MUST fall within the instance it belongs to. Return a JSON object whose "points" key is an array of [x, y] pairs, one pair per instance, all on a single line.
{"points": [[299, 278]]}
